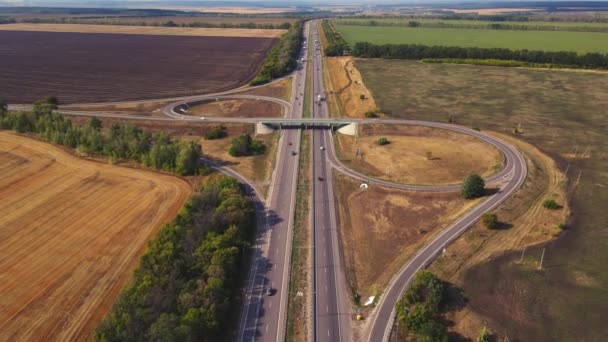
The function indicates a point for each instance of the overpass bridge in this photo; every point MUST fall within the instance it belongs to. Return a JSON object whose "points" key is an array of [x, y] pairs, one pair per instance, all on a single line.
{"points": [[344, 126]]}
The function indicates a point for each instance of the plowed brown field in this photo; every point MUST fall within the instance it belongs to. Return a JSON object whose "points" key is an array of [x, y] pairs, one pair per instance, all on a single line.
{"points": [[71, 232], [98, 67]]}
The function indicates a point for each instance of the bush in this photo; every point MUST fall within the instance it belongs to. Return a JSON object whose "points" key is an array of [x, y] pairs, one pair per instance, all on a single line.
{"points": [[216, 133], [420, 307], [243, 145], [550, 204], [473, 186], [490, 220], [383, 141], [371, 114], [362, 96], [562, 226]]}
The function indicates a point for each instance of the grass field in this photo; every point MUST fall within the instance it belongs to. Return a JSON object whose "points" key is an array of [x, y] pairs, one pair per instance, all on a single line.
{"points": [[146, 30], [404, 160], [565, 114], [580, 42], [71, 232]]}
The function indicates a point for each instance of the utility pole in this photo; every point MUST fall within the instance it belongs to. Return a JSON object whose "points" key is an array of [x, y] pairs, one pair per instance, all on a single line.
{"points": [[542, 257]]}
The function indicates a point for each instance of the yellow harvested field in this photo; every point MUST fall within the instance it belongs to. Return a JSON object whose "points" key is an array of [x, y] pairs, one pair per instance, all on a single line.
{"points": [[405, 160], [345, 87], [146, 30], [71, 233]]}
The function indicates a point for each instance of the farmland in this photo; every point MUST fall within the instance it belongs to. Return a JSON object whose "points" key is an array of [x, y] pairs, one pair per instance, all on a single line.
{"points": [[564, 114], [580, 42], [146, 30], [113, 67], [71, 231], [179, 20]]}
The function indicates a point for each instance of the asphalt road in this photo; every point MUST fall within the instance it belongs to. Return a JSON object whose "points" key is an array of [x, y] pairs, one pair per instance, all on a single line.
{"points": [[330, 295], [264, 316]]}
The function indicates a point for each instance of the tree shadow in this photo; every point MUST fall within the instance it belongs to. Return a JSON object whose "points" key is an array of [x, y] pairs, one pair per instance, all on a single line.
{"points": [[491, 191], [502, 226]]}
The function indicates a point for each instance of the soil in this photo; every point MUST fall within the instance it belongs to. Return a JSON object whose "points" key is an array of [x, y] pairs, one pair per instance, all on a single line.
{"points": [[345, 87], [71, 233], [84, 68]]}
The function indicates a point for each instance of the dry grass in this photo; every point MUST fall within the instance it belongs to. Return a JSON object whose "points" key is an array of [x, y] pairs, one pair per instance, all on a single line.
{"points": [[404, 160], [146, 30], [145, 108], [257, 169], [531, 224], [490, 11], [71, 231], [237, 109], [381, 228], [280, 89], [345, 87]]}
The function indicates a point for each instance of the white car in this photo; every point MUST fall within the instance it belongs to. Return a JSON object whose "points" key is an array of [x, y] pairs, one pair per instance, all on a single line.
{"points": [[322, 148], [202, 118]]}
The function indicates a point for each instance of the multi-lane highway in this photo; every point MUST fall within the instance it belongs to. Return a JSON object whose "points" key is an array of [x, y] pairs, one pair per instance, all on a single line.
{"points": [[264, 315], [331, 302], [265, 307]]}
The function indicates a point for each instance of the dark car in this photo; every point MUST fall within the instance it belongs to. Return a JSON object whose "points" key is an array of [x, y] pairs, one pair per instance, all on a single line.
{"points": [[321, 178], [269, 291]]}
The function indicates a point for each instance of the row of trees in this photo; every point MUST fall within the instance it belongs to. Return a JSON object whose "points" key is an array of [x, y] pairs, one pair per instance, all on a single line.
{"points": [[420, 308], [119, 142], [282, 58], [490, 26], [336, 45], [414, 51], [499, 17], [186, 287], [168, 23]]}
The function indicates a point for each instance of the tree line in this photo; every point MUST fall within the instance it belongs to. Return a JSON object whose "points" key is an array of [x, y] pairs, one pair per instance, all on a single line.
{"points": [[187, 285], [489, 26], [495, 17], [118, 142], [282, 58], [168, 23], [336, 45], [593, 60]]}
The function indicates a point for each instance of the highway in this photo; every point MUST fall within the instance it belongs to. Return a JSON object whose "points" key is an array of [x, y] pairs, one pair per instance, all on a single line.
{"points": [[331, 303], [264, 316]]}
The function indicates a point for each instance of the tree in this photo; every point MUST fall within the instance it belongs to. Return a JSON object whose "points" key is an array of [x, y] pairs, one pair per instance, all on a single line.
{"points": [[550, 204], [188, 158], [490, 220], [429, 155], [243, 145], [473, 186], [95, 123]]}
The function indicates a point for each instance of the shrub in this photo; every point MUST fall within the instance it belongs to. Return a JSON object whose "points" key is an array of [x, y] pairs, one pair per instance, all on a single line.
{"points": [[216, 133], [383, 141], [473, 186], [490, 220], [562, 226], [362, 96], [550, 204], [371, 114], [243, 145]]}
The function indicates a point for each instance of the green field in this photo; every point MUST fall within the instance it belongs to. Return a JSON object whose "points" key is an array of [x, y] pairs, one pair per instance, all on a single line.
{"points": [[477, 23], [511, 39], [559, 112]]}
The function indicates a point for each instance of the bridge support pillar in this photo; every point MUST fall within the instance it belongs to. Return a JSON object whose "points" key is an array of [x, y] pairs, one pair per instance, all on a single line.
{"points": [[262, 128], [350, 129]]}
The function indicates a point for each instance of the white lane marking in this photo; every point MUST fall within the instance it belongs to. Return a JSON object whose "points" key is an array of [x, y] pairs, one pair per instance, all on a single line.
{"points": [[327, 308], [269, 305], [266, 327], [327, 332]]}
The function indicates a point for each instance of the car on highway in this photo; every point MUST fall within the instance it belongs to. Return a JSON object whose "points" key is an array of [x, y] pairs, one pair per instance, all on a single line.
{"points": [[293, 153], [320, 178], [269, 291], [322, 148]]}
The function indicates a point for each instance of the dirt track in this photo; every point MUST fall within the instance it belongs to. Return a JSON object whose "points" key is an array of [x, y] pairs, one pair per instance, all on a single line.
{"points": [[93, 67], [71, 232]]}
